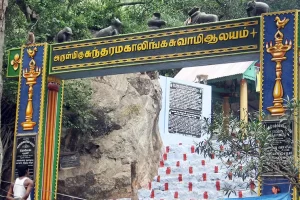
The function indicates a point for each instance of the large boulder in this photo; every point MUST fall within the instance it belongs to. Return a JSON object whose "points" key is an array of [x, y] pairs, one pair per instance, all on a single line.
{"points": [[127, 108]]}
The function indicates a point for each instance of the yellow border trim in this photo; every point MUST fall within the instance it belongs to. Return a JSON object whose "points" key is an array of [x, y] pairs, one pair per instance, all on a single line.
{"points": [[280, 13], [262, 27], [41, 118], [262, 38], [296, 136]]}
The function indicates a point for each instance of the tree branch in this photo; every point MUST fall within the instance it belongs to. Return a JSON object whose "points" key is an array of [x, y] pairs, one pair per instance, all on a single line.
{"points": [[224, 6], [23, 7], [291, 177], [220, 3], [30, 14], [130, 3]]}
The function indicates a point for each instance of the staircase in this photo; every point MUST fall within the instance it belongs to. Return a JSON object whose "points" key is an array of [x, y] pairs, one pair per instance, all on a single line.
{"points": [[184, 174]]}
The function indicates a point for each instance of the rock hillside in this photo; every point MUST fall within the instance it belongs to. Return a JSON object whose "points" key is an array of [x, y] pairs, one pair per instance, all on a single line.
{"points": [[127, 156]]}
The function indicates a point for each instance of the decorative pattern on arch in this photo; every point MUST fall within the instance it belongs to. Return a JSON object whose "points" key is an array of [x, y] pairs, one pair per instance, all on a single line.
{"points": [[160, 57]]}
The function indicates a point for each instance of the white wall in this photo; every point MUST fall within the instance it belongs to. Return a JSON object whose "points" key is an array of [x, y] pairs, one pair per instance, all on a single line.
{"points": [[174, 138]]}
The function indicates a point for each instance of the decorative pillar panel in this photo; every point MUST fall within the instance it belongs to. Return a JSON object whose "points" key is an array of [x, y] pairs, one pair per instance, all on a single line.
{"points": [[243, 100], [30, 106], [278, 61], [38, 119], [52, 138], [279, 65]]}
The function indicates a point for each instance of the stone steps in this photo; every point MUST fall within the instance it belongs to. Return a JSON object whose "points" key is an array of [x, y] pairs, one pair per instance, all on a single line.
{"points": [[189, 185], [174, 194], [184, 174]]}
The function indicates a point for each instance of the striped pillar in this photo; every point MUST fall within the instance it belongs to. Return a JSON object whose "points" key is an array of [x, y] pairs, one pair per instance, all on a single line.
{"points": [[51, 139], [226, 112], [243, 101]]}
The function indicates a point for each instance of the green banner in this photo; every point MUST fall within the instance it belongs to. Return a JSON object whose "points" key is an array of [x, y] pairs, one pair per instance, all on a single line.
{"points": [[152, 47]]}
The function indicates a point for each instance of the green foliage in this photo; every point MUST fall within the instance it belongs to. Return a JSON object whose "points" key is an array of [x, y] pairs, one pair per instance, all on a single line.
{"points": [[77, 112], [87, 16], [245, 148]]}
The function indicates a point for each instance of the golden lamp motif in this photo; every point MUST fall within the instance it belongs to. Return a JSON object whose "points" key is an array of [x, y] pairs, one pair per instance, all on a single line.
{"points": [[31, 52], [278, 51], [16, 62], [31, 78]]}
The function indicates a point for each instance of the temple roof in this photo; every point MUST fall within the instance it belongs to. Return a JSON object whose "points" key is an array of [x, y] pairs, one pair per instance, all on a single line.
{"points": [[220, 72]]}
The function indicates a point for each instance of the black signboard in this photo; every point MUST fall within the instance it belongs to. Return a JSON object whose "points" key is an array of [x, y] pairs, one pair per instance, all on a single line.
{"points": [[185, 109], [165, 45], [69, 160], [282, 132], [25, 154]]}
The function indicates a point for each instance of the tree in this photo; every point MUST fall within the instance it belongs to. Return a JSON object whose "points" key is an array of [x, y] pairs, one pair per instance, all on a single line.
{"points": [[3, 5], [249, 150]]}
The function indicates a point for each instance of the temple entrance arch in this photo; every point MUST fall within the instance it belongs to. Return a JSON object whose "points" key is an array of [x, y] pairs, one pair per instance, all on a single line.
{"points": [[41, 69]]}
